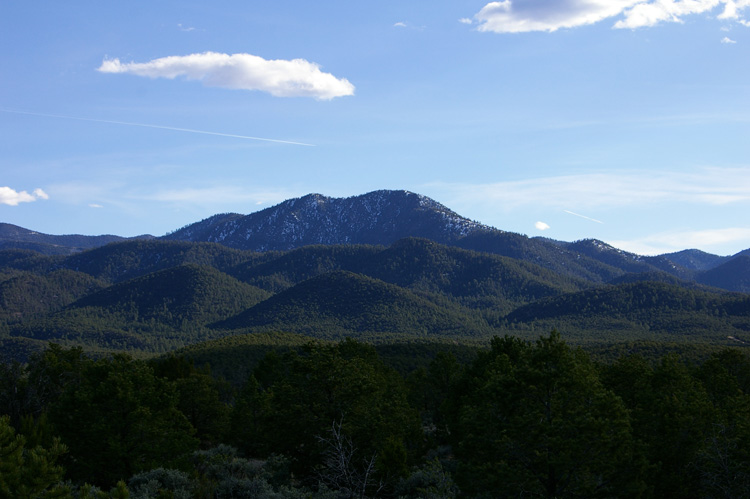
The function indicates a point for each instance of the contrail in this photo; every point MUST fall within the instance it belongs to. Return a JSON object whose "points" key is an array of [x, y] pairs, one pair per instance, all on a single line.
{"points": [[145, 125], [584, 216]]}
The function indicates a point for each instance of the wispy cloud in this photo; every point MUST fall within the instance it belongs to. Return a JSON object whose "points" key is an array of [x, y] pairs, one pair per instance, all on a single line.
{"points": [[666, 242], [161, 127], [583, 216], [281, 78], [218, 195], [516, 16], [709, 186], [402, 24], [12, 197], [726, 39]]}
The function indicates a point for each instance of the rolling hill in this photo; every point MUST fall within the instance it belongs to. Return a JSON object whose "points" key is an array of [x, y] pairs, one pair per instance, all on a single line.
{"points": [[381, 266], [342, 303]]}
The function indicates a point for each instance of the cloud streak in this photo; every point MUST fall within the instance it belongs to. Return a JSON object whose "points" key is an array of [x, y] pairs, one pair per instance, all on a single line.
{"points": [[666, 242], [12, 197], [516, 16], [161, 127], [708, 186], [583, 216], [280, 78], [218, 195]]}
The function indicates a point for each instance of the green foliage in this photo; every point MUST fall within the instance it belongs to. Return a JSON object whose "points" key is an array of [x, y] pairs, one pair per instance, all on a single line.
{"points": [[326, 420], [120, 419], [535, 419], [429, 481], [291, 411], [199, 398], [28, 472]]}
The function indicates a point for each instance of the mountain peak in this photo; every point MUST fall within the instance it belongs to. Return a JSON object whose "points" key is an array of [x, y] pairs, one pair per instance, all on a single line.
{"points": [[378, 217]]}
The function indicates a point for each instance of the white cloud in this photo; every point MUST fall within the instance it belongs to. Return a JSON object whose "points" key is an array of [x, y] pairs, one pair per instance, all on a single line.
{"points": [[652, 13], [281, 78], [708, 186], [541, 226], [40, 194], [95, 205], [667, 242], [516, 16], [726, 39], [465, 20], [399, 25], [732, 8], [11, 197]]}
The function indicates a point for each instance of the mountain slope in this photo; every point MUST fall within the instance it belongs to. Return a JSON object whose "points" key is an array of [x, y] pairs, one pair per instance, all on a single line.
{"points": [[127, 260], [188, 292], [27, 294], [654, 310], [477, 280], [379, 217], [694, 259], [734, 275], [342, 303], [12, 236]]}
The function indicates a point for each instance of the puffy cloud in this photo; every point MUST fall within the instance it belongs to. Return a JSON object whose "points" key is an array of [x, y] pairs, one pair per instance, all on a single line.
{"points": [[652, 13], [732, 8], [541, 226], [516, 16], [12, 197], [281, 78]]}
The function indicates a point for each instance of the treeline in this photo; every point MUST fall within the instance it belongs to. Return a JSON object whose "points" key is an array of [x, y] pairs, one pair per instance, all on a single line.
{"points": [[333, 420]]}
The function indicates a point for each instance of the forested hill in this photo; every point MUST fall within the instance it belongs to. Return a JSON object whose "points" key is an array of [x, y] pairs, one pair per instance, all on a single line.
{"points": [[12, 236], [155, 296], [384, 217]]}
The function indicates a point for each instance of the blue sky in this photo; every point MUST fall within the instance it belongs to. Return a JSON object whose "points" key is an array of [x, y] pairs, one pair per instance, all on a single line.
{"points": [[622, 120]]}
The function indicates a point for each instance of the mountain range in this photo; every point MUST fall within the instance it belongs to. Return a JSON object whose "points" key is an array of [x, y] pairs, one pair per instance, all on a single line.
{"points": [[384, 265], [384, 217]]}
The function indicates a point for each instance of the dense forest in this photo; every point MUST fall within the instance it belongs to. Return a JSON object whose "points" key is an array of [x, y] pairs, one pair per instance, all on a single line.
{"points": [[149, 297], [152, 368], [335, 419]]}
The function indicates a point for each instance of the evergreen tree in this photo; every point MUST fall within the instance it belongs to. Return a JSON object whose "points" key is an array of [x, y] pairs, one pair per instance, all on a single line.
{"points": [[536, 421]]}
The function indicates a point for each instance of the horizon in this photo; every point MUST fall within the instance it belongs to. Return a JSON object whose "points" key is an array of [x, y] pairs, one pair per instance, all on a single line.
{"points": [[625, 121], [329, 197]]}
